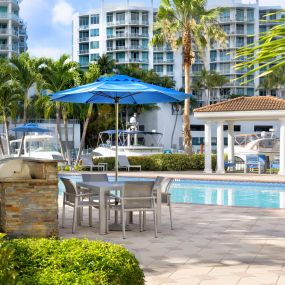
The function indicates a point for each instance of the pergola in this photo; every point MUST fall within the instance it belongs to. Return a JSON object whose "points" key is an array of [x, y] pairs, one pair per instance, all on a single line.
{"points": [[256, 108]]}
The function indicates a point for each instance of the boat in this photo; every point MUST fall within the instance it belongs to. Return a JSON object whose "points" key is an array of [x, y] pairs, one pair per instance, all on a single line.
{"points": [[254, 144], [131, 143], [35, 146]]}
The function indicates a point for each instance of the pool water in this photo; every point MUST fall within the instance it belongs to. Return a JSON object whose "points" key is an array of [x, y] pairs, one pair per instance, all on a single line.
{"points": [[246, 194]]}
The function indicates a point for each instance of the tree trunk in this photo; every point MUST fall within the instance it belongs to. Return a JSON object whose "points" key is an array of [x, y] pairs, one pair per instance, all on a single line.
{"points": [[188, 56], [7, 135], [25, 106], [58, 129], [86, 123], [65, 123]]}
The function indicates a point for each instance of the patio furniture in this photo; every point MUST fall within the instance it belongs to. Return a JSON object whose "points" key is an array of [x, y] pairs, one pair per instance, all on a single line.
{"points": [[274, 165], [164, 184], [101, 177], [87, 162], [255, 162], [72, 198], [137, 197], [124, 163], [103, 188]]}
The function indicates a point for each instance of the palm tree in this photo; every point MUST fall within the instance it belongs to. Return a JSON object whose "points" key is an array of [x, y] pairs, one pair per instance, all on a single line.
{"points": [[27, 74], [208, 80], [106, 64], [90, 75], [187, 24], [10, 95], [59, 75]]}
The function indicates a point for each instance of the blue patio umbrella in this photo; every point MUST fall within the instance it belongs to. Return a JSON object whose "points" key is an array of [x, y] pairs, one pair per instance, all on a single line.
{"points": [[29, 128], [119, 89]]}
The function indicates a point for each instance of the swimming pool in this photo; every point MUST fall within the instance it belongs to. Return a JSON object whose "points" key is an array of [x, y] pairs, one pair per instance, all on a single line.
{"points": [[246, 194]]}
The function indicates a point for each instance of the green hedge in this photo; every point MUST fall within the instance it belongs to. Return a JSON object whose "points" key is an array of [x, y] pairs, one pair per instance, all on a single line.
{"points": [[163, 162], [70, 261]]}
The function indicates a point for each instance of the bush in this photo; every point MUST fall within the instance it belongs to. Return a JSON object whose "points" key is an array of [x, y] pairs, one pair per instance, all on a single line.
{"points": [[163, 162], [73, 261]]}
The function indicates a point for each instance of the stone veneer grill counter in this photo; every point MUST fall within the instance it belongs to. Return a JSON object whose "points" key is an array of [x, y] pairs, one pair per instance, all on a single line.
{"points": [[29, 206]]}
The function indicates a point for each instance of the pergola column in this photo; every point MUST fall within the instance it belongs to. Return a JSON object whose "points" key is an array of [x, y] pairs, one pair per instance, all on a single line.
{"points": [[231, 152], [282, 147], [220, 148], [208, 148]]}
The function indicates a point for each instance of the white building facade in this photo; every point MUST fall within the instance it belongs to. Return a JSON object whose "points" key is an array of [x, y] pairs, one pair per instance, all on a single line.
{"points": [[124, 32], [13, 34]]}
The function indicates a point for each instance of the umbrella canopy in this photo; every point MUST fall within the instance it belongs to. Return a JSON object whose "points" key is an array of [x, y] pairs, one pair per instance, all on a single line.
{"points": [[30, 128], [119, 89]]}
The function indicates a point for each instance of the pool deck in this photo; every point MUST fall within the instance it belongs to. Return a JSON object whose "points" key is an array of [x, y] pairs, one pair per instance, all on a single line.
{"points": [[198, 175], [210, 245]]}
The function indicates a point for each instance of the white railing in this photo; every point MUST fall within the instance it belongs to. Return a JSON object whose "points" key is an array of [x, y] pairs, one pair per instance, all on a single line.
{"points": [[83, 39]]}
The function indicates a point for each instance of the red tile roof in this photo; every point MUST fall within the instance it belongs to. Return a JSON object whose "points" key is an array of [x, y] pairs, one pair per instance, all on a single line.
{"points": [[252, 103]]}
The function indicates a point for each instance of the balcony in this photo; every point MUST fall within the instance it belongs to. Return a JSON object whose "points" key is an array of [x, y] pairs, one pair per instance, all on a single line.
{"points": [[9, 16], [117, 23], [145, 23], [117, 36], [4, 47], [135, 35], [83, 51], [134, 22], [158, 60], [83, 27], [164, 48], [83, 39]]}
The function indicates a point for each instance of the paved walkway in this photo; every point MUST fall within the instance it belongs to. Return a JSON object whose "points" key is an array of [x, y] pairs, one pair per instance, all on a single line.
{"points": [[210, 245]]}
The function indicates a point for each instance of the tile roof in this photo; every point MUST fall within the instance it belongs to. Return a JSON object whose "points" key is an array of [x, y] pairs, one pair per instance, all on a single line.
{"points": [[248, 103]]}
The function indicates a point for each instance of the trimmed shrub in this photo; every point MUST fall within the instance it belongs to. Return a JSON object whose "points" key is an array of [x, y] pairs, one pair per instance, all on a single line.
{"points": [[163, 162], [73, 261]]}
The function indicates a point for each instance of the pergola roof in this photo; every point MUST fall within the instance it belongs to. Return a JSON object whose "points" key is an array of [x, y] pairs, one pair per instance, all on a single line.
{"points": [[254, 103]]}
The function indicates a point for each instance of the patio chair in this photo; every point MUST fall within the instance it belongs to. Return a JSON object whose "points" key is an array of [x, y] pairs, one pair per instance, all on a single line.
{"points": [[124, 163], [255, 162], [164, 184], [72, 198], [137, 197], [87, 162], [274, 165]]}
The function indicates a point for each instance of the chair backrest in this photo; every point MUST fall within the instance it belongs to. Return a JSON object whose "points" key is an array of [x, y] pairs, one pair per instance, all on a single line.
{"points": [[162, 182], [70, 189], [86, 160], [95, 177], [142, 189], [123, 160]]}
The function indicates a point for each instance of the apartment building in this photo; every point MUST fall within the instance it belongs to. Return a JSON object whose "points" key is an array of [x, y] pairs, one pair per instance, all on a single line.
{"points": [[13, 34], [124, 31]]}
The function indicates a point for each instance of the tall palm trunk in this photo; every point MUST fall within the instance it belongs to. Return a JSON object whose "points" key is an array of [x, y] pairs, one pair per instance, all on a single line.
{"points": [[187, 53], [82, 142], [175, 123], [26, 96], [6, 133], [65, 123], [58, 129]]}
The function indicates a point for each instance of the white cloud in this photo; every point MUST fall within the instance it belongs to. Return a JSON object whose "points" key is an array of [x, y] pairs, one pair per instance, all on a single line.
{"points": [[62, 13]]}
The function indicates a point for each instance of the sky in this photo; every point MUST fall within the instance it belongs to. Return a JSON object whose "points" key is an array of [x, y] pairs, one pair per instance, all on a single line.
{"points": [[49, 22]]}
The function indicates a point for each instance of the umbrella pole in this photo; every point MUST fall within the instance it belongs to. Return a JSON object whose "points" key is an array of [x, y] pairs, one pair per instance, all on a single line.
{"points": [[117, 140], [21, 145]]}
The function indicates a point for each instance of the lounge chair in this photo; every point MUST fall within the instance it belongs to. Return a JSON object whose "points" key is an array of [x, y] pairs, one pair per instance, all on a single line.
{"points": [[75, 199], [87, 162], [137, 197], [164, 184], [255, 162], [125, 164]]}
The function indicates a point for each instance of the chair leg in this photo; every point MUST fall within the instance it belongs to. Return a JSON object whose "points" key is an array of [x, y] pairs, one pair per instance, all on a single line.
{"points": [[155, 223], [170, 214], [74, 219], [90, 216], [123, 223], [63, 213]]}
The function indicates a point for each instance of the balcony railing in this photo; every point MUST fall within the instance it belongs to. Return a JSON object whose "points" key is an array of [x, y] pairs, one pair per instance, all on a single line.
{"points": [[4, 47], [84, 51], [7, 1], [116, 23], [84, 27], [134, 22], [4, 15], [83, 39], [116, 36]]}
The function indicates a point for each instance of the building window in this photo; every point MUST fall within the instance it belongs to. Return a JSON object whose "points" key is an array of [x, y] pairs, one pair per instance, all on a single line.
{"points": [[145, 56], [94, 45], [225, 55], [94, 32], [158, 68], [197, 141], [120, 57], [83, 21], [169, 56], [145, 43], [109, 44], [250, 29], [262, 128], [225, 16], [197, 67], [94, 56], [145, 66], [109, 32], [240, 15], [236, 128], [250, 91], [240, 29], [213, 55], [145, 17], [135, 16], [250, 40], [224, 68], [109, 17], [250, 14], [95, 19], [120, 18], [169, 68], [226, 28], [240, 41], [83, 60], [197, 128], [144, 31]]}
